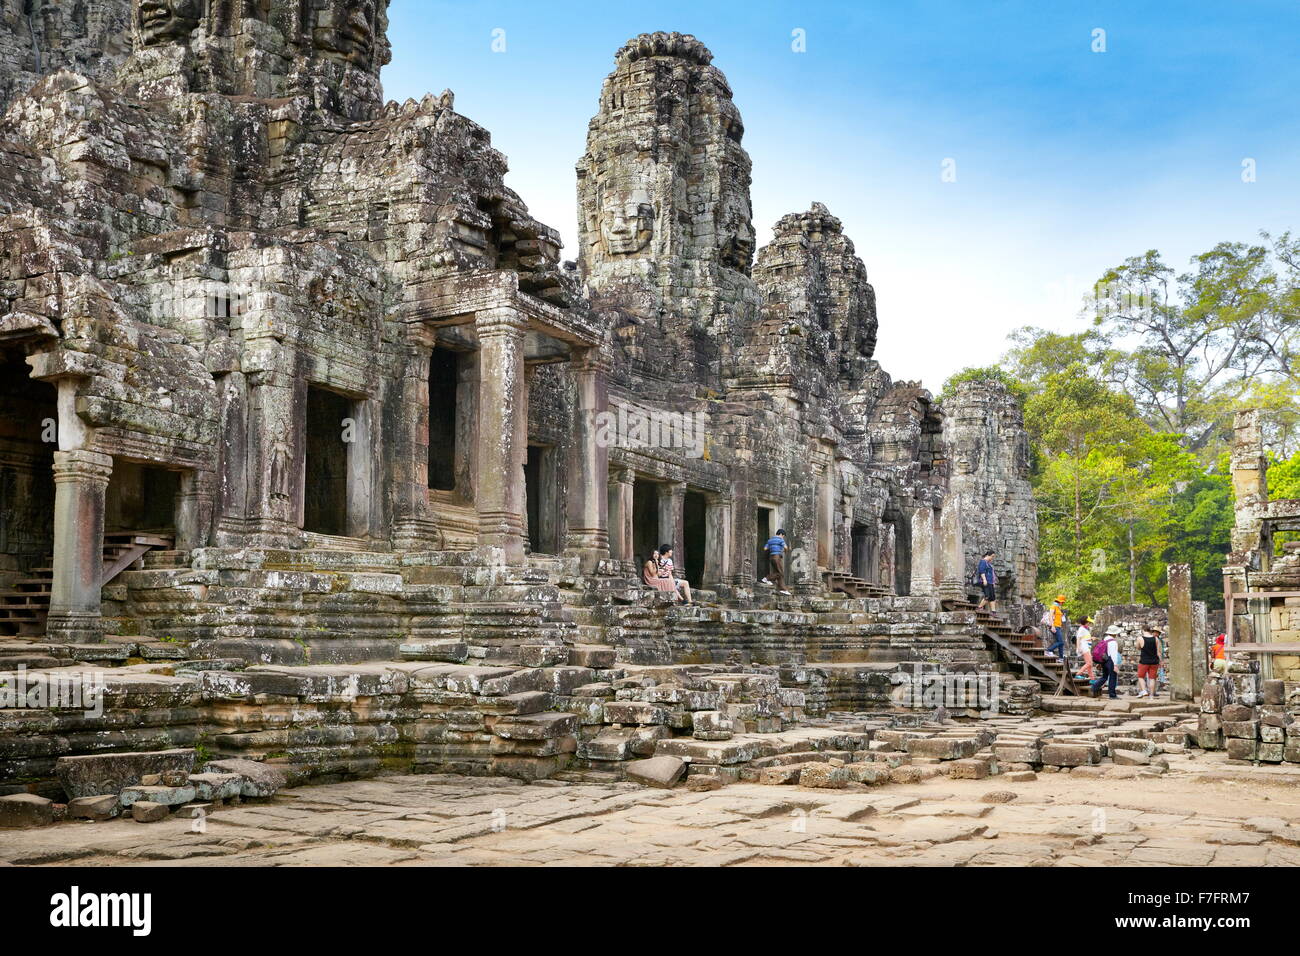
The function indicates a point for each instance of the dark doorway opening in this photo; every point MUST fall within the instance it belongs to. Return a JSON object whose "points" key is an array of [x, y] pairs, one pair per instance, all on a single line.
{"points": [[861, 553], [645, 520], [765, 532], [325, 489], [694, 535], [28, 439], [141, 498], [539, 490], [443, 371]]}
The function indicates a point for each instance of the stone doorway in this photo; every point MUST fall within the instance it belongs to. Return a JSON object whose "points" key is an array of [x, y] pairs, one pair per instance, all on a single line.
{"points": [[444, 370], [645, 521], [325, 486], [766, 528], [141, 497], [694, 535], [28, 439], [862, 553], [542, 500]]}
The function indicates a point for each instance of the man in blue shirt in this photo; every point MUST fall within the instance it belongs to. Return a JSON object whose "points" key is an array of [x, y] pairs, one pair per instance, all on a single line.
{"points": [[775, 549], [987, 577]]}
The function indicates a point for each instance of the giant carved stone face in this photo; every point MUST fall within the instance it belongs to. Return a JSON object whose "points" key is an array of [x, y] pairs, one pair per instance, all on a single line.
{"points": [[627, 220], [345, 32], [167, 21]]}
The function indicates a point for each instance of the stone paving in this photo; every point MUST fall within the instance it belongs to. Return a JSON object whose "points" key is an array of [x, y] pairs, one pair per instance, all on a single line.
{"points": [[1203, 812]]}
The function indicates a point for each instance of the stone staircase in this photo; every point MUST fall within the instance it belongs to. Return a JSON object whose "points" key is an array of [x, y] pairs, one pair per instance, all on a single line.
{"points": [[25, 605], [854, 587]]}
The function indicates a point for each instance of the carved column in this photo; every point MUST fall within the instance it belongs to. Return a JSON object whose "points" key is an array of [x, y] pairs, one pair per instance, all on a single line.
{"points": [[717, 540], [80, 482], [414, 525], [194, 506], [923, 564], [952, 577], [1181, 647], [588, 500], [620, 515], [502, 433], [672, 510]]}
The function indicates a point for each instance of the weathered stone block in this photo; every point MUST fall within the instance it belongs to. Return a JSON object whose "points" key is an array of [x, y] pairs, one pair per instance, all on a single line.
{"points": [[216, 786], [19, 811], [1070, 755], [143, 811], [1245, 729], [968, 769], [1241, 748], [635, 712], [167, 796], [711, 725], [104, 807], [662, 771], [824, 776], [944, 748], [260, 779], [96, 774]]}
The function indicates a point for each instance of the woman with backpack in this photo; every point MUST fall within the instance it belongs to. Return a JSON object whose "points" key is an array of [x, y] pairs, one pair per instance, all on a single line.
{"points": [[1106, 654]]}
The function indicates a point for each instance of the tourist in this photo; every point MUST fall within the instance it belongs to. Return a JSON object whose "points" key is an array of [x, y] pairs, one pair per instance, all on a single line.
{"points": [[987, 576], [663, 559], [1106, 653], [650, 574], [1220, 654], [1083, 646], [1054, 619], [775, 549], [1149, 659]]}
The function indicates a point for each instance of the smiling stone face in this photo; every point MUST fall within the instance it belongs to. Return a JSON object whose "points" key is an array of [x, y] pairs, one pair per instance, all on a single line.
{"points": [[627, 220], [166, 21], [346, 32]]}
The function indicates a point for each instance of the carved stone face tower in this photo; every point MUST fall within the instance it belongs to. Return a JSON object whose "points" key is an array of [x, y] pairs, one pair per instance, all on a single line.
{"points": [[663, 189]]}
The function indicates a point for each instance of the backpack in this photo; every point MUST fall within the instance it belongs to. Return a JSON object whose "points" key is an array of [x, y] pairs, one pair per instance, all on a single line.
{"points": [[1047, 617], [1100, 651]]}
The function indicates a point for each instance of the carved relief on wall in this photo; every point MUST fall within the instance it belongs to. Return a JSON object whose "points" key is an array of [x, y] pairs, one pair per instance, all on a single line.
{"points": [[167, 21]]}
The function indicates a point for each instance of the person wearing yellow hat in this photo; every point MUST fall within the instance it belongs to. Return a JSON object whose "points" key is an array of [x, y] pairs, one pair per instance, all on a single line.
{"points": [[1055, 620]]}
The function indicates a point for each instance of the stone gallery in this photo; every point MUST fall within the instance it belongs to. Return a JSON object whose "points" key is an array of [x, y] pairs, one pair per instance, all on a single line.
{"points": [[320, 457]]}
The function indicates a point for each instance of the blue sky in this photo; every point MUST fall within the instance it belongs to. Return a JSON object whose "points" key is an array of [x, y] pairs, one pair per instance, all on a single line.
{"points": [[1067, 161]]}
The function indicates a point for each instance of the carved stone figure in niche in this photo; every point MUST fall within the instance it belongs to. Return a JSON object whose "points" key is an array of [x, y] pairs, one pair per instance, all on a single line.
{"points": [[627, 220], [167, 21], [281, 465], [345, 32]]}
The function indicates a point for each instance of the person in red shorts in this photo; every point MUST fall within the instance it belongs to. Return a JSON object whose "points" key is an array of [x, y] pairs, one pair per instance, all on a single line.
{"points": [[1148, 662]]}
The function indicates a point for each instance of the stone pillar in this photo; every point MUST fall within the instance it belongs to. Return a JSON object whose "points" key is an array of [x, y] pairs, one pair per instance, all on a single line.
{"points": [[194, 506], [717, 540], [1200, 647], [620, 515], [923, 539], [826, 518], [887, 557], [80, 481], [414, 525], [588, 499], [672, 528], [502, 434], [1180, 633], [952, 552], [360, 479]]}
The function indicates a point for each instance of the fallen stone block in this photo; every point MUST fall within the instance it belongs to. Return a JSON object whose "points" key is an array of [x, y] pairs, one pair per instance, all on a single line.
{"points": [[1020, 776], [1271, 752], [1240, 748], [944, 748], [711, 725], [535, 726], [700, 782], [1070, 755], [1132, 744], [20, 811], [92, 775], [100, 808], [167, 796], [779, 776], [1130, 758], [1243, 729], [967, 769], [870, 773], [999, 796], [260, 780], [657, 771], [216, 786], [635, 712], [144, 811], [824, 776]]}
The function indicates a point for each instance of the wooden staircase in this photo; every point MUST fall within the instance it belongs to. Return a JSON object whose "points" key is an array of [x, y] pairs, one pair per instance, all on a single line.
{"points": [[25, 605], [1024, 651], [853, 587]]}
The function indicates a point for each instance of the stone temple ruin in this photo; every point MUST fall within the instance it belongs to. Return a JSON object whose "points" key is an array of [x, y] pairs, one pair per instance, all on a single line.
{"points": [[318, 453]]}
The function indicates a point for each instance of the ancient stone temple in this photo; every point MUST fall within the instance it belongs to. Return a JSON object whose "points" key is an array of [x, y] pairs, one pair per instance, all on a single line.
{"points": [[293, 381]]}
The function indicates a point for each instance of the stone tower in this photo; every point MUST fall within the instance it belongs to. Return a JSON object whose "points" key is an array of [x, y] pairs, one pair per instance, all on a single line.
{"points": [[988, 448], [664, 215]]}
